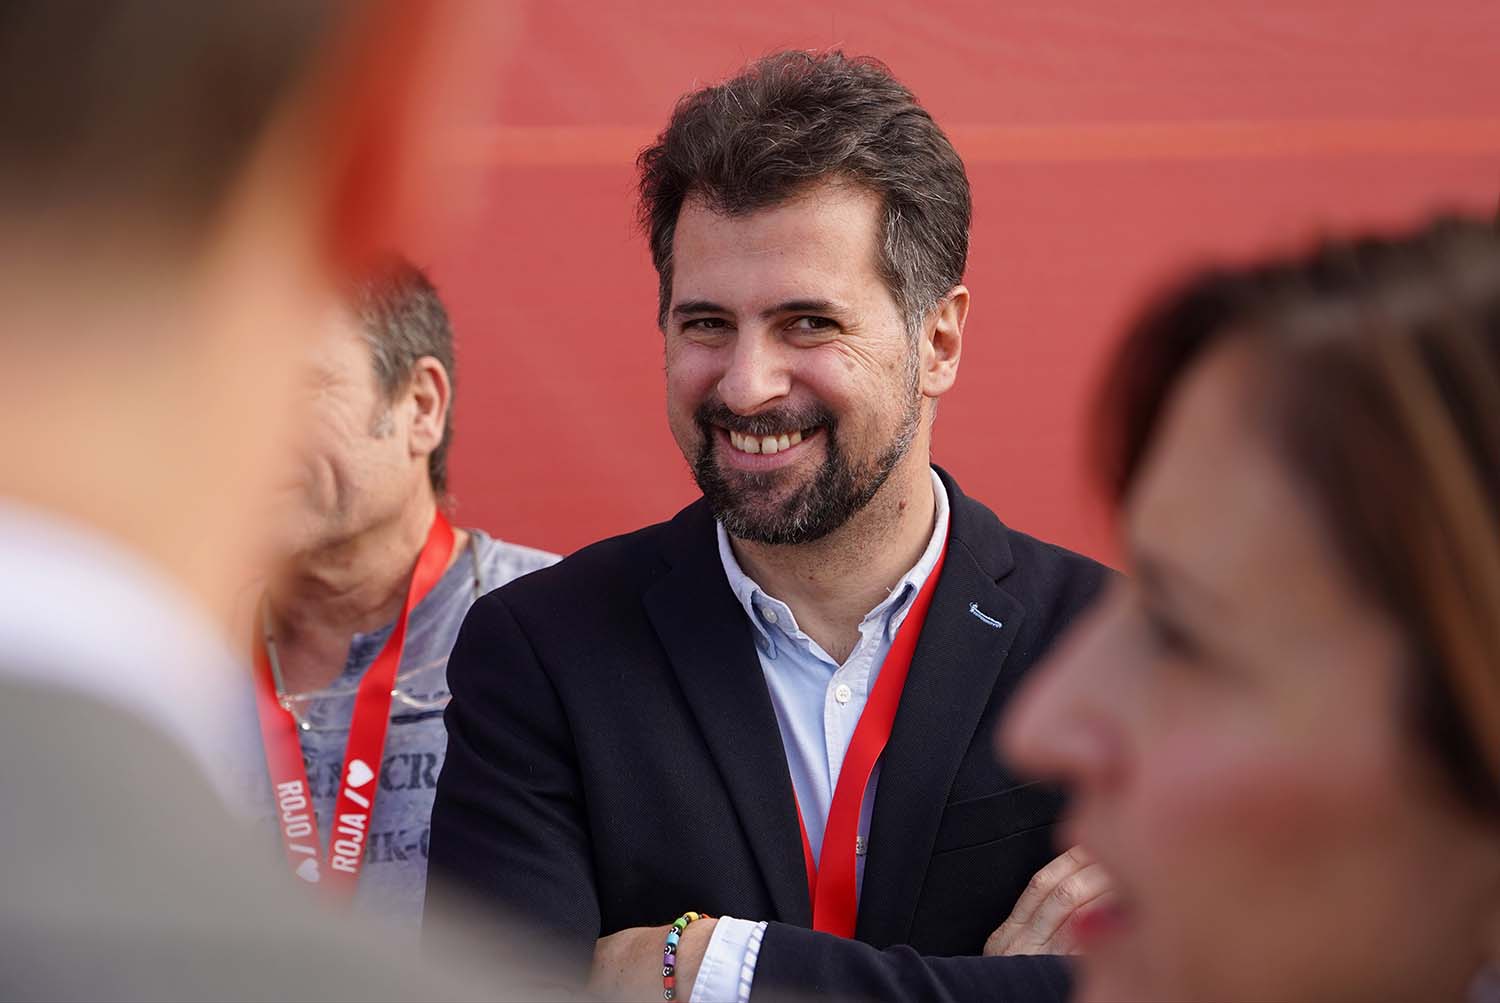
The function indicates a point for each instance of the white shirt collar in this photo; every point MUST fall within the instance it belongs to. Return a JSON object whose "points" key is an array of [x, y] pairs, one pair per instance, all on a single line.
{"points": [[78, 612], [895, 605]]}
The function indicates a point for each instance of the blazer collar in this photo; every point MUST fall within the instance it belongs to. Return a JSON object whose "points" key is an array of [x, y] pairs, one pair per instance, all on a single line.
{"points": [[958, 670], [707, 639], [977, 528]]}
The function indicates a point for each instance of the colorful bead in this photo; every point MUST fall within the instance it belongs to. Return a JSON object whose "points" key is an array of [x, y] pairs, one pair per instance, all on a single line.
{"points": [[669, 953]]}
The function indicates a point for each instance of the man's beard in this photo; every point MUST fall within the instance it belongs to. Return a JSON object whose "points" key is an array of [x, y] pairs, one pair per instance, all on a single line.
{"points": [[828, 499]]}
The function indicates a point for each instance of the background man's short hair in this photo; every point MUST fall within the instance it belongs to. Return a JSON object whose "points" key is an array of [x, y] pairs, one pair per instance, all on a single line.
{"points": [[793, 119], [403, 319]]}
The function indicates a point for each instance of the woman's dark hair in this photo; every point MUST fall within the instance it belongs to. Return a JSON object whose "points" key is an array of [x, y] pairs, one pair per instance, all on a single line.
{"points": [[1380, 389]]}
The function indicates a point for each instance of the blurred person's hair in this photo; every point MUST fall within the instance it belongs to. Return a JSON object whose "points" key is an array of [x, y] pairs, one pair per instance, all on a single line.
{"points": [[145, 108], [1377, 383], [793, 119], [403, 319]]}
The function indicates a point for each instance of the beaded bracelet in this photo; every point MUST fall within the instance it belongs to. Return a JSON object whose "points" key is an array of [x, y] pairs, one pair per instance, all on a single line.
{"points": [[669, 954]]}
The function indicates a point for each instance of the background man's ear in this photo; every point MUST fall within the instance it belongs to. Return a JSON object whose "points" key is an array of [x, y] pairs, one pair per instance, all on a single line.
{"points": [[432, 393]]}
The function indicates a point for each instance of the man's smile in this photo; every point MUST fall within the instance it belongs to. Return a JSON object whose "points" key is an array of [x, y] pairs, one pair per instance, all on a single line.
{"points": [[765, 452]]}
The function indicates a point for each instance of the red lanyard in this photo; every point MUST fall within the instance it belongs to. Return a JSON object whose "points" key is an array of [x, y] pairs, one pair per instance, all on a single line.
{"points": [[830, 880], [339, 869]]}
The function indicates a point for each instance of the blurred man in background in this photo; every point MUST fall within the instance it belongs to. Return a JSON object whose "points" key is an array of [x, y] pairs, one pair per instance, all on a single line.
{"points": [[347, 641], [178, 183]]}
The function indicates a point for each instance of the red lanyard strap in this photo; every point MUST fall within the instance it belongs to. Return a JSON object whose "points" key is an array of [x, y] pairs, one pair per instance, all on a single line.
{"points": [[830, 881], [339, 868]]}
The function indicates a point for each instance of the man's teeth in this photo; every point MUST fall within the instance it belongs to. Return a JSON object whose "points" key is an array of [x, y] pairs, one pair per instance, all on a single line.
{"points": [[764, 443]]}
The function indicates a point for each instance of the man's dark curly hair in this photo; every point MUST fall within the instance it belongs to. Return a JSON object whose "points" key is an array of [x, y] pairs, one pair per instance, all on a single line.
{"points": [[793, 119]]}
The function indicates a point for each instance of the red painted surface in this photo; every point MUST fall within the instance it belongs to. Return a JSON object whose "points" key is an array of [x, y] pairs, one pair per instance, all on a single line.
{"points": [[1109, 145]]}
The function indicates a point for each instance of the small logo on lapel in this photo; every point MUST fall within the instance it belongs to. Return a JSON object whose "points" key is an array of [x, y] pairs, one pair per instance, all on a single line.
{"points": [[978, 615]]}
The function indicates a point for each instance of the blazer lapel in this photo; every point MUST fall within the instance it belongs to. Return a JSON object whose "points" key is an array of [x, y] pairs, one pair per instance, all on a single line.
{"points": [[959, 659], [711, 649]]}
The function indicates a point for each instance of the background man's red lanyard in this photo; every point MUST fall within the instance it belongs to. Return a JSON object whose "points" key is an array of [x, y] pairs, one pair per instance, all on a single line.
{"points": [[339, 868], [830, 880]]}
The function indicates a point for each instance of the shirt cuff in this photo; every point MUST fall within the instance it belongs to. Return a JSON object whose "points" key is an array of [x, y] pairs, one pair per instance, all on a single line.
{"points": [[728, 967]]}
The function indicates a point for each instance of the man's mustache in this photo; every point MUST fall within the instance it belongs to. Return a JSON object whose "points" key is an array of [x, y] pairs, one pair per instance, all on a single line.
{"points": [[715, 413]]}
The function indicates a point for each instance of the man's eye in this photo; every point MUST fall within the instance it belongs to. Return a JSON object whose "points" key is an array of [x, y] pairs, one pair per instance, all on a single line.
{"points": [[812, 324], [704, 324]]}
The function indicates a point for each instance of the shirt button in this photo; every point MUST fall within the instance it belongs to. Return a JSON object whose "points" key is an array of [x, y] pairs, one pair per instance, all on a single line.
{"points": [[768, 614], [842, 693]]}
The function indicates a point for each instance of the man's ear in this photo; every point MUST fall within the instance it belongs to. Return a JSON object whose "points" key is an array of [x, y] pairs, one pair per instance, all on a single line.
{"points": [[942, 342], [431, 394]]}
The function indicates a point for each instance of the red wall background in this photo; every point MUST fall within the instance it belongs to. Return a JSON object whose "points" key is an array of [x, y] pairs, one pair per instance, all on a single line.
{"points": [[1109, 145]]}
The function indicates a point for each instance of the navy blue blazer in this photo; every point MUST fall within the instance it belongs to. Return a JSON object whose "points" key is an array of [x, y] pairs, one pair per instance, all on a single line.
{"points": [[614, 761]]}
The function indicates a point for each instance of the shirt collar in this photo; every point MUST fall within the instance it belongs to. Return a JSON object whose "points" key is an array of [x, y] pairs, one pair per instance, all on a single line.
{"points": [[892, 609], [79, 612]]}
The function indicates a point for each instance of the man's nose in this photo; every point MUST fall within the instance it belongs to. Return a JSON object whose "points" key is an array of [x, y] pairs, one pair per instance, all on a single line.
{"points": [[758, 373]]}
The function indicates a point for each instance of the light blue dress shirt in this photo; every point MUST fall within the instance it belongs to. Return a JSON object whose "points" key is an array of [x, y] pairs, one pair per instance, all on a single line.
{"points": [[818, 703]]}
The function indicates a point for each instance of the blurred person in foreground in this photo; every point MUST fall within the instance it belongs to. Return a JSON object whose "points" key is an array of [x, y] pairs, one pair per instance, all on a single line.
{"points": [[1282, 732], [715, 714], [353, 636], [178, 184]]}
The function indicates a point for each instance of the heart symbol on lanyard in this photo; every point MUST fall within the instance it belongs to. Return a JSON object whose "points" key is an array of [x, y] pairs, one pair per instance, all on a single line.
{"points": [[359, 773], [308, 871]]}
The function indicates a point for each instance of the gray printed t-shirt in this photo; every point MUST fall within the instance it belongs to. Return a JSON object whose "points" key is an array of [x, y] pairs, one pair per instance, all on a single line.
{"points": [[393, 881]]}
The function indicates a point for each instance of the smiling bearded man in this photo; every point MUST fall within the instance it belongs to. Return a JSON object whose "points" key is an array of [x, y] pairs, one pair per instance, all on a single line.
{"points": [[700, 715], [824, 501]]}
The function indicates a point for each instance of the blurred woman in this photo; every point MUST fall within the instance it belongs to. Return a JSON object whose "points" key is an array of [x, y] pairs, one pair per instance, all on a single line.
{"points": [[1283, 731]]}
